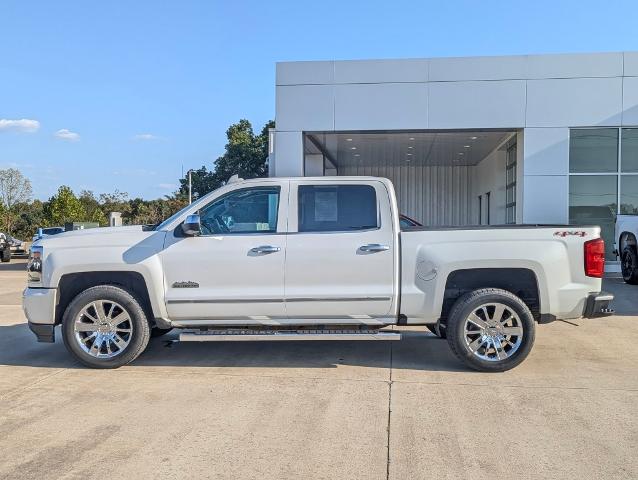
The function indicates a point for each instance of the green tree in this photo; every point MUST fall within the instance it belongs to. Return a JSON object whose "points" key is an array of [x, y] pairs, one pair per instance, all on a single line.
{"points": [[246, 155], [203, 181], [64, 207], [93, 211], [115, 202], [30, 217], [15, 189]]}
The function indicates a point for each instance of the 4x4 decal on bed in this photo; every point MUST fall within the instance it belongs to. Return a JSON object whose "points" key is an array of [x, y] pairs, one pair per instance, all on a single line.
{"points": [[566, 233]]}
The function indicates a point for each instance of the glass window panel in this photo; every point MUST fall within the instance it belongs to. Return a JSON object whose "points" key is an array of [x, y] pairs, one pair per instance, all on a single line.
{"points": [[593, 150], [337, 208], [629, 194], [592, 201], [629, 150], [249, 210]]}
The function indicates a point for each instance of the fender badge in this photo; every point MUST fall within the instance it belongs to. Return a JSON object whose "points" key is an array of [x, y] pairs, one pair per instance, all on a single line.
{"points": [[188, 284], [566, 233]]}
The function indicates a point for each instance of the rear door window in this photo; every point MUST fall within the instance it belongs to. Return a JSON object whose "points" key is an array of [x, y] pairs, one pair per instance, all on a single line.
{"points": [[337, 208]]}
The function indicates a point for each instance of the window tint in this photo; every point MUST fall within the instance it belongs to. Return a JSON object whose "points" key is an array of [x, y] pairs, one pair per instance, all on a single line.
{"points": [[249, 210], [592, 201], [337, 208], [629, 151], [629, 194], [593, 150]]}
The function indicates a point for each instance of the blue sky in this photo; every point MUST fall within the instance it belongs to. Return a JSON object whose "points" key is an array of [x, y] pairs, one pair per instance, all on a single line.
{"points": [[126, 92]]}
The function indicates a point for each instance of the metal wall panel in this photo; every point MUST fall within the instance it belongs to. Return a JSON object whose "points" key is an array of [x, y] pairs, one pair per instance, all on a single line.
{"points": [[432, 195]]}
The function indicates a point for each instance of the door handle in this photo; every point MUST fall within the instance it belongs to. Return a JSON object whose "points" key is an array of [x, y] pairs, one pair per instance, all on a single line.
{"points": [[264, 249], [373, 248]]}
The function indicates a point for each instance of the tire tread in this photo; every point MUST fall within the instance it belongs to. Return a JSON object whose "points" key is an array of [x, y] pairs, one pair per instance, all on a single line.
{"points": [[454, 318], [106, 291]]}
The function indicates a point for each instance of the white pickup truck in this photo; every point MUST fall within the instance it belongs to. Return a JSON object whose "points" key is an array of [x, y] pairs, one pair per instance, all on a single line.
{"points": [[310, 259], [625, 246]]}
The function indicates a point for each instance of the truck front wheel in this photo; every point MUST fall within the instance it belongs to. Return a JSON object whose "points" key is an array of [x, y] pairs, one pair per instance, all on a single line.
{"points": [[105, 327], [490, 330], [6, 255], [629, 265]]}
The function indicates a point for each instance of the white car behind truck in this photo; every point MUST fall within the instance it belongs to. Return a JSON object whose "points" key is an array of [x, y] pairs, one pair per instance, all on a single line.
{"points": [[625, 247], [310, 259]]}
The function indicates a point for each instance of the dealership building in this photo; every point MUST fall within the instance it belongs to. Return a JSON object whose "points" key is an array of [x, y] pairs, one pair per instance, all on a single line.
{"points": [[476, 140]]}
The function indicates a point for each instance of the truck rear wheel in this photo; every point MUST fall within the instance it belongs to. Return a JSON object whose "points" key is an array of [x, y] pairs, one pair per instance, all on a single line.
{"points": [[629, 265], [105, 327], [490, 330], [6, 256]]}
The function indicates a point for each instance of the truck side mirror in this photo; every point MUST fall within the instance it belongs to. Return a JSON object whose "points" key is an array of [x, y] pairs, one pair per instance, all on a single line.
{"points": [[192, 226]]}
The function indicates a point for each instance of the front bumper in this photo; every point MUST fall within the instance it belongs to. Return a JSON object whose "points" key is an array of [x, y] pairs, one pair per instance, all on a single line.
{"points": [[597, 305], [39, 307]]}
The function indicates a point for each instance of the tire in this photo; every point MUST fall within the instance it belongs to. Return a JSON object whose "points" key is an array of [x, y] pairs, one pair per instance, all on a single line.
{"points": [[158, 332], [6, 256], [441, 333], [479, 349], [629, 265], [119, 343]]}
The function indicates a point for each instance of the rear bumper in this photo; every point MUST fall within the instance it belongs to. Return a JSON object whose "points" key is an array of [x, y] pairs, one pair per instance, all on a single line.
{"points": [[597, 305]]}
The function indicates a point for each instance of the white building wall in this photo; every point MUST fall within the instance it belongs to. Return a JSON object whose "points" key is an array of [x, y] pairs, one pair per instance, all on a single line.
{"points": [[489, 176], [545, 170], [543, 95], [288, 150]]}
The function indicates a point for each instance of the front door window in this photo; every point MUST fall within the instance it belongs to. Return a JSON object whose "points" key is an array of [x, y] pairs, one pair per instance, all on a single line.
{"points": [[249, 210]]}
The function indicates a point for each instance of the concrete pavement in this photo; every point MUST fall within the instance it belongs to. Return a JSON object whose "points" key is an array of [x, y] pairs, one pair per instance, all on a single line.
{"points": [[399, 410]]}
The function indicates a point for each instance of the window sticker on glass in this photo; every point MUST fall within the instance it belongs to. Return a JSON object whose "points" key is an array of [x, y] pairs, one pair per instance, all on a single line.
{"points": [[326, 206]]}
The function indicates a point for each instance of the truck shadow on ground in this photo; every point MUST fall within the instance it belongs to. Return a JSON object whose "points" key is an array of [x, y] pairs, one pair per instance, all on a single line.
{"points": [[416, 351], [16, 265], [625, 296]]}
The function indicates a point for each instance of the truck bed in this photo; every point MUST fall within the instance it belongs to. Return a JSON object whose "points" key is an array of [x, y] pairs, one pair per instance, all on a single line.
{"points": [[552, 254]]}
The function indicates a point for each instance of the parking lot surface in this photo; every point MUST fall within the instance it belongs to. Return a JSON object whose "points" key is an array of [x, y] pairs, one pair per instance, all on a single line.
{"points": [[333, 410]]}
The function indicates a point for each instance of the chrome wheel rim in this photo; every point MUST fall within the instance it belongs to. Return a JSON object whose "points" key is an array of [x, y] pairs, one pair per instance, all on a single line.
{"points": [[103, 329], [493, 332]]}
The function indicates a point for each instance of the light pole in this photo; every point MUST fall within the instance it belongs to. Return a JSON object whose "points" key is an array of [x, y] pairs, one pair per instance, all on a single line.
{"points": [[190, 187]]}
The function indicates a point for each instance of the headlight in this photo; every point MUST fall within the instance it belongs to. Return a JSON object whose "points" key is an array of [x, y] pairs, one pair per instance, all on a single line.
{"points": [[34, 267]]}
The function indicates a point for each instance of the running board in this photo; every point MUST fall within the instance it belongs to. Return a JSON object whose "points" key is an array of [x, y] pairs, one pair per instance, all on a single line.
{"points": [[270, 336]]}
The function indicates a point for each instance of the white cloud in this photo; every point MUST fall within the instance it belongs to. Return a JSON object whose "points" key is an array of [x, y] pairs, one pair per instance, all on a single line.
{"points": [[145, 136], [65, 134], [134, 172], [19, 166], [23, 125], [168, 186]]}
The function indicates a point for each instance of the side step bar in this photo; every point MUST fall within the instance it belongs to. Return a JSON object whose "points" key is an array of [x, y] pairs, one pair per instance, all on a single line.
{"points": [[282, 335]]}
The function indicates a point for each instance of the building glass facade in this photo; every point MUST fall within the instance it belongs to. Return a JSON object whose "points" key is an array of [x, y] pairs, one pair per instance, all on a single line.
{"points": [[603, 178]]}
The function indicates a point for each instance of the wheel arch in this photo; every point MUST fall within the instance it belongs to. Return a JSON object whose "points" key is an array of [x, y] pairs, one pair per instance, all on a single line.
{"points": [[71, 284], [521, 282]]}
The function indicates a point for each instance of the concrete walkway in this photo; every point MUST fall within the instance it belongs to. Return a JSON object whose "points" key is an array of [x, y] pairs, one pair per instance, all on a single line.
{"points": [[356, 410]]}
